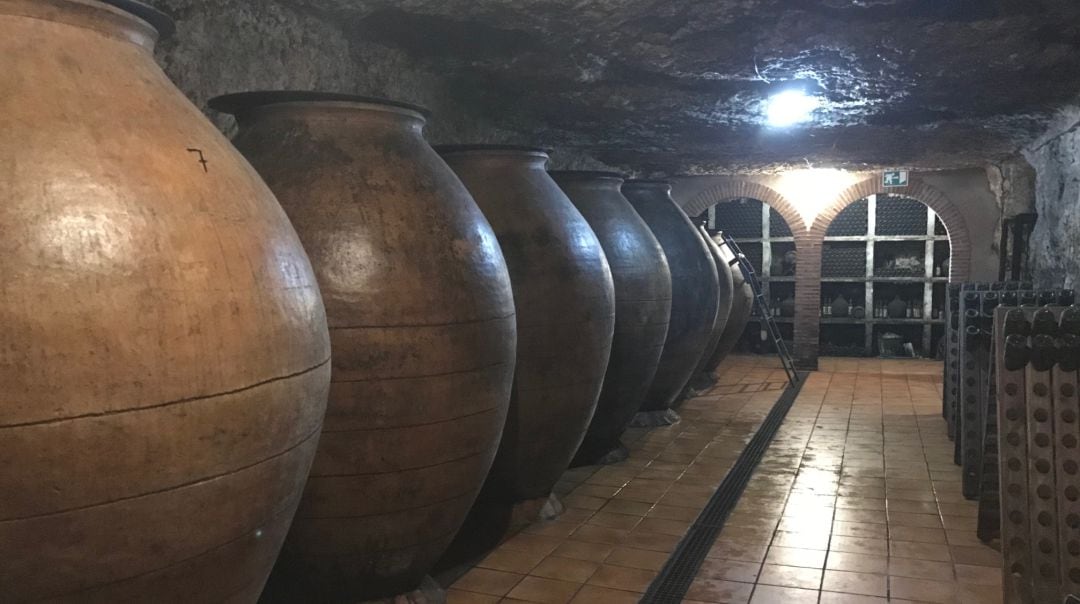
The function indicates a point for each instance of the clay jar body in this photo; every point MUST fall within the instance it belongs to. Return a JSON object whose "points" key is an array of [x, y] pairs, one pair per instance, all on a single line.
{"points": [[422, 327], [725, 292], [695, 295], [642, 304], [742, 306], [165, 357], [565, 312]]}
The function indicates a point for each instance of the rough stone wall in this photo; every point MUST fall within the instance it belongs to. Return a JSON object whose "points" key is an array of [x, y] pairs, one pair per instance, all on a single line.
{"points": [[224, 46], [1055, 244], [237, 45]]}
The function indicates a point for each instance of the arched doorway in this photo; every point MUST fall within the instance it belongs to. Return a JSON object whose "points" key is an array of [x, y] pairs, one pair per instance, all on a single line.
{"points": [[769, 244], [885, 263]]}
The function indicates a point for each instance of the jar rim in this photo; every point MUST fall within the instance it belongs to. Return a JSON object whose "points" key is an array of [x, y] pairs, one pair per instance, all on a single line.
{"points": [[242, 102], [499, 148], [159, 20], [587, 175]]}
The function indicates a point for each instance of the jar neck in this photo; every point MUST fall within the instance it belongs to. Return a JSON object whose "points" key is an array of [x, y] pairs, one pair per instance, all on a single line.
{"points": [[339, 115], [603, 181], [101, 17], [519, 159]]}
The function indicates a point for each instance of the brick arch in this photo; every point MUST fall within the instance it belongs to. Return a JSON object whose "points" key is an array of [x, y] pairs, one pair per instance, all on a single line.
{"points": [[959, 237], [736, 189]]}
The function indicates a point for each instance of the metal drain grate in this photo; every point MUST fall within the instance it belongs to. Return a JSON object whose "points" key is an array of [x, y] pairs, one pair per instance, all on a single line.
{"points": [[674, 580]]}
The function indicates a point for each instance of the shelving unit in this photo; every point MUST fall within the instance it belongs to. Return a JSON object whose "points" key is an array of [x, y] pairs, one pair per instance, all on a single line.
{"points": [[765, 238], [867, 238]]}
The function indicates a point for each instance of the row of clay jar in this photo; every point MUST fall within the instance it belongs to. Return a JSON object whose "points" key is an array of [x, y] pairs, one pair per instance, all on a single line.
{"points": [[167, 324]]}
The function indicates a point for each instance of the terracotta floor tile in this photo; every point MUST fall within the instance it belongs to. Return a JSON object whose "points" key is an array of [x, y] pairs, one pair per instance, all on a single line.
{"points": [[802, 540], [735, 550], [872, 516], [920, 569], [980, 555], [859, 545], [600, 534], [770, 594], [861, 465], [729, 570], [616, 521], [915, 520], [583, 550], [637, 558], [857, 563], [545, 591], [565, 569], [621, 506], [651, 541], [978, 575], [583, 502], [456, 596], [789, 556], [621, 577], [532, 543], [510, 560], [594, 594], [980, 594], [917, 534], [487, 581], [790, 576], [864, 584], [828, 597], [921, 590], [665, 526], [860, 529], [671, 512]]}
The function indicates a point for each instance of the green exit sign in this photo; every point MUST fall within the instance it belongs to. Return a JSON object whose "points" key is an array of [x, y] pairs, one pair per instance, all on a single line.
{"points": [[896, 178]]}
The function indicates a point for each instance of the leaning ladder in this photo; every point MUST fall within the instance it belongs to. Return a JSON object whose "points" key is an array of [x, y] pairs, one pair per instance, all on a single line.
{"points": [[763, 308]]}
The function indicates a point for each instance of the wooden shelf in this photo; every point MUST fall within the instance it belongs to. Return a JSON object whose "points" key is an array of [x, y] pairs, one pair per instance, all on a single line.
{"points": [[878, 238], [854, 321], [929, 245]]}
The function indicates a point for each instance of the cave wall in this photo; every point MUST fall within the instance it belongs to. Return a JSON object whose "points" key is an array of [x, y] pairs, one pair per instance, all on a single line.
{"points": [[1055, 244], [235, 45], [226, 46]]}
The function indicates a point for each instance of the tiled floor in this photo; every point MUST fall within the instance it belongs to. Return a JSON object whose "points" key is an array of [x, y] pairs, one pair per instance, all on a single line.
{"points": [[857, 500]]}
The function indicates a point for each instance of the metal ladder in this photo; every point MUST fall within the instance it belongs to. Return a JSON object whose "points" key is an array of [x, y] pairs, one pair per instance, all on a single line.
{"points": [[763, 309]]}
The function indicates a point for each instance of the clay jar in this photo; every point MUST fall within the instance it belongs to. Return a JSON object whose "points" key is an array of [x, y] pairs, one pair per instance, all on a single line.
{"points": [[565, 312], [423, 331], [725, 292], [165, 357], [742, 306], [642, 306], [695, 295]]}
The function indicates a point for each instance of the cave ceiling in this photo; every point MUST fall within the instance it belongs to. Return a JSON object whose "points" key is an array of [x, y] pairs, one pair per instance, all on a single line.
{"points": [[679, 86]]}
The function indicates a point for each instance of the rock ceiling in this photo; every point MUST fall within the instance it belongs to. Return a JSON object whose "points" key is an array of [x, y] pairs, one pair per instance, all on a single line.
{"points": [[679, 86]]}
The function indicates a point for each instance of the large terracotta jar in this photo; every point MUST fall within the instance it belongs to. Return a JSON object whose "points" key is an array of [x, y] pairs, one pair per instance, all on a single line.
{"points": [[695, 295], [642, 306], [565, 312], [702, 375], [423, 331], [742, 305], [165, 360]]}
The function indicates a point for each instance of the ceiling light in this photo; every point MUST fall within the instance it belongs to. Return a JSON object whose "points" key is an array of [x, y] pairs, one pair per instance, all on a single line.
{"points": [[790, 107]]}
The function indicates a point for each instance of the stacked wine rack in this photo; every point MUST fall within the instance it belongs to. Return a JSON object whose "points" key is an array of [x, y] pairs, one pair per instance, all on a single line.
{"points": [[1010, 401], [1039, 353]]}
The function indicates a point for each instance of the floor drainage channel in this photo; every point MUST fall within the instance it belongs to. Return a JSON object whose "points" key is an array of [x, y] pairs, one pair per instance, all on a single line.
{"points": [[678, 573]]}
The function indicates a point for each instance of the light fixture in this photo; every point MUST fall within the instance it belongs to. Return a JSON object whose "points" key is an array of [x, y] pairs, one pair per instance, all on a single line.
{"points": [[790, 107]]}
